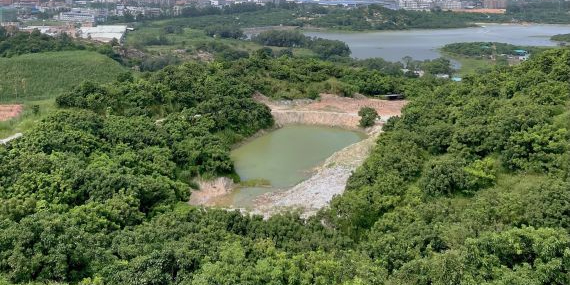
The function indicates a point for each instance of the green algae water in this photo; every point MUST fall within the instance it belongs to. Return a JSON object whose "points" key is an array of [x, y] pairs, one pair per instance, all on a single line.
{"points": [[285, 157]]}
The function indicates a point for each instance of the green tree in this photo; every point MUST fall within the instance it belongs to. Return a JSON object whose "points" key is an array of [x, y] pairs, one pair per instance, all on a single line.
{"points": [[367, 116]]}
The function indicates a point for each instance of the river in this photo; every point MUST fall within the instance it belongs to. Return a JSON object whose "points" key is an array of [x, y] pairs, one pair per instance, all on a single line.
{"points": [[424, 44], [284, 157]]}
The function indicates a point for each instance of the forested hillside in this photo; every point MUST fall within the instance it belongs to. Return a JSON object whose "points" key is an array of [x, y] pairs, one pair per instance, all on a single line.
{"points": [[470, 185]]}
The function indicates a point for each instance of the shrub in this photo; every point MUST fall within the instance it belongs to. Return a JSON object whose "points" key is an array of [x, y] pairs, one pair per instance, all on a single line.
{"points": [[367, 116]]}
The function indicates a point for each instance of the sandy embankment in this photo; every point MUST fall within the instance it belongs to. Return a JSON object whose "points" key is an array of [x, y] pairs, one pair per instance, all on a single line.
{"points": [[330, 178]]}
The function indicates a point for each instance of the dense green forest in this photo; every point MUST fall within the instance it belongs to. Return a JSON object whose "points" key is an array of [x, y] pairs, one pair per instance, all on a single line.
{"points": [[322, 47], [470, 185], [289, 77]]}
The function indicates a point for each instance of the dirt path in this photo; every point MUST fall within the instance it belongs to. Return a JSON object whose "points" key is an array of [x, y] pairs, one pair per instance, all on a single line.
{"points": [[12, 137]]}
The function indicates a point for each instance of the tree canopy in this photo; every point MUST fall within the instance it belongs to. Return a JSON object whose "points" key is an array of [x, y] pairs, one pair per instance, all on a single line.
{"points": [[470, 185]]}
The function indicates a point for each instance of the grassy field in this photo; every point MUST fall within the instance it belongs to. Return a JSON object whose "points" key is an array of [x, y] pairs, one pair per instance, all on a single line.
{"points": [[469, 64], [45, 75], [189, 39]]}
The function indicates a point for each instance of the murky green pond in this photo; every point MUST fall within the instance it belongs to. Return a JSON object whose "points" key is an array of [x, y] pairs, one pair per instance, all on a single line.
{"points": [[285, 157]]}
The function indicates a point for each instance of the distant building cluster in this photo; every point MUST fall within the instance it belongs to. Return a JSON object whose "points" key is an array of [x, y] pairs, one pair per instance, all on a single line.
{"points": [[89, 13], [420, 5]]}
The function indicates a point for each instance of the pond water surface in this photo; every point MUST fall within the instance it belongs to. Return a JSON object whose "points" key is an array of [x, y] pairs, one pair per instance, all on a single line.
{"points": [[285, 157], [423, 44]]}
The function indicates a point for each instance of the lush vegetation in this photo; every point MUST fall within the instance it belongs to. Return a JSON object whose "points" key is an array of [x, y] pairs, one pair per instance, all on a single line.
{"points": [[268, 15], [45, 75], [429, 66], [290, 77], [469, 186], [485, 49], [373, 17], [17, 42], [553, 12], [561, 38], [322, 47], [21, 42]]}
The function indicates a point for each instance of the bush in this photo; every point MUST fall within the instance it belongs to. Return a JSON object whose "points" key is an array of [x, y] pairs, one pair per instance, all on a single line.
{"points": [[367, 116]]}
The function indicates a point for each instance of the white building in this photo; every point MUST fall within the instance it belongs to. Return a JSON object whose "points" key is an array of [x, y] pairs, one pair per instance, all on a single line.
{"points": [[104, 33], [416, 5], [450, 5], [77, 16]]}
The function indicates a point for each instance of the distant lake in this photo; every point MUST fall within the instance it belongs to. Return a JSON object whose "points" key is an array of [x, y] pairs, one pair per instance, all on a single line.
{"points": [[423, 44]]}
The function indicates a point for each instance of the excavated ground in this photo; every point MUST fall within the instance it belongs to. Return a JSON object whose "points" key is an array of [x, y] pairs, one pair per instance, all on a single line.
{"points": [[330, 110], [329, 179]]}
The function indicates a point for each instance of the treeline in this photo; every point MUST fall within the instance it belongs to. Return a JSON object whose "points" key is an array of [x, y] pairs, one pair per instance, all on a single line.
{"points": [[13, 43], [194, 11], [550, 11], [561, 38], [288, 77], [17, 43], [376, 17], [476, 49], [294, 39]]}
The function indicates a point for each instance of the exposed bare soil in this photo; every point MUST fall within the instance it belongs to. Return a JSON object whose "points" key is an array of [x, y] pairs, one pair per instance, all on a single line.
{"points": [[8, 112], [210, 190], [329, 110]]}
